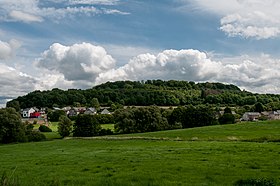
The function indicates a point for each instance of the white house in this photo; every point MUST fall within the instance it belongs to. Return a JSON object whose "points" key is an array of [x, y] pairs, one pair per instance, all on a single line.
{"points": [[105, 111], [27, 112], [250, 116]]}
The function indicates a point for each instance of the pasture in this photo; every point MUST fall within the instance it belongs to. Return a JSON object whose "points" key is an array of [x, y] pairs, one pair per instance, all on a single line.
{"points": [[216, 155]]}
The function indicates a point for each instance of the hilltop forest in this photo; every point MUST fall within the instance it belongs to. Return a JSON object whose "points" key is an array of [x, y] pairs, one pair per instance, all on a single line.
{"points": [[145, 93]]}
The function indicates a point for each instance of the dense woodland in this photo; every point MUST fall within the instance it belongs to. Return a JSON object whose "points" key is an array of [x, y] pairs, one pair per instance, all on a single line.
{"points": [[145, 93]]}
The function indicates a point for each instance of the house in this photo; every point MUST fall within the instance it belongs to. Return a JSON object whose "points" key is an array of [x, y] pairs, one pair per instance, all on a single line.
{"points": [[274, 115], [72, 112], [105, 111], [90, 111], [80, 110], [35, 115], [250, 116], [25, 113]]}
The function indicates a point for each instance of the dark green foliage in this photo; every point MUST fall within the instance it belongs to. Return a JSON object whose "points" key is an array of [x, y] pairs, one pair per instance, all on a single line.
{"points": [[104, 132], [258, 107], [144, 119], [104, 118], [11, 126], [64, 126], [44, 128], [145, 93], [53, 116], [14, 104], [35, 136], [227, 111], [86, 126], [227, 118], [95, 103], [191, 116], [255, 182]]}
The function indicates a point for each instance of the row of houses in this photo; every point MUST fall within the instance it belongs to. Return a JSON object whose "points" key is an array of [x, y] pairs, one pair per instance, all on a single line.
{"points": [[70, 111], [254, 116], [33, 112]]}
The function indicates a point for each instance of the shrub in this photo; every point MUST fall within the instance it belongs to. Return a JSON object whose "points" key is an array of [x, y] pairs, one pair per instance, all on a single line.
{"points": [[104, 132], [227, 119], [11, 127], [64, 126], [36, 136], [86, 126], [44, 128]]}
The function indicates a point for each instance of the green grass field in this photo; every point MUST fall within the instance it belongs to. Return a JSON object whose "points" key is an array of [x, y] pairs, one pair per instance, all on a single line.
{"points": [[198, 156]]}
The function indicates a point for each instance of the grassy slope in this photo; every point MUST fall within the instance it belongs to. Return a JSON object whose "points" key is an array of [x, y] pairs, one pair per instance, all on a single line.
{"points": [[149, 162], [252, 131]]}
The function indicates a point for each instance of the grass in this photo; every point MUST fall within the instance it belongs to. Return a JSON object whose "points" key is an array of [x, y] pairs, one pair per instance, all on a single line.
{"points": [[249, 131], [212, 159], [108, 126]]}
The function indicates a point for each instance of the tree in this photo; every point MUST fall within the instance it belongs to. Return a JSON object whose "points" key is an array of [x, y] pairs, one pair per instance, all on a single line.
{"points": [[14, 104], [95, 103], [64, 126], [227, 118], [86, 126], [258, 107], [54, 115], [227, 110], [11, 127]]}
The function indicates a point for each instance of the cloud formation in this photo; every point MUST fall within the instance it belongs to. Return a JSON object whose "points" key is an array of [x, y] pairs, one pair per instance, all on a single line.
{"points": [[246, 18], [81, 63], [85, 65], [29, 11], [7, 49], [14, 83], [257, 74]]}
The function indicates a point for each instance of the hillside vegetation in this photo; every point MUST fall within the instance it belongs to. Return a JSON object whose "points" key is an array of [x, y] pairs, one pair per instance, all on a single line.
{"points": [[159, 158], [150, 92]]}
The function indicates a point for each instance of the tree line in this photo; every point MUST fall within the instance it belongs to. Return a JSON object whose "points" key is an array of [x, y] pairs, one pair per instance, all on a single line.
{"points": [[145, 93]]}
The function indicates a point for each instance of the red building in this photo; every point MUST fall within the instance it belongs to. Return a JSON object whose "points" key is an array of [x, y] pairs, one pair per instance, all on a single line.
{"points": [[35, 115]]}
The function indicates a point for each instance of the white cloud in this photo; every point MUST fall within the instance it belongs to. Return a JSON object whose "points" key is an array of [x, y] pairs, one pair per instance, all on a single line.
{"points": [[246, 18], [93, 2], [257, 74], [14, 83], [32, 11], [7, 49], [23, 16], [79, 63]]}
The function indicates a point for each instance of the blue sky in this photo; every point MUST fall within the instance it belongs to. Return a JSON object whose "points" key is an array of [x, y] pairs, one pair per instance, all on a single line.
{"points": [[46, 44]]}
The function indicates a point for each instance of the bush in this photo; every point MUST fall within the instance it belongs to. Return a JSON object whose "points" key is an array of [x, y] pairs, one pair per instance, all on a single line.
{"points": [[64, 126], [86, 126], [104, 132], [33, 135], [44, 128], [36, 136], [11, 127], [227, 119]]}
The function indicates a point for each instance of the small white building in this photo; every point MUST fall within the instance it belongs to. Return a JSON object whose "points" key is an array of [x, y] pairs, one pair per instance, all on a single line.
{"points": [[105, 111], [250, 116], [27, 112]]}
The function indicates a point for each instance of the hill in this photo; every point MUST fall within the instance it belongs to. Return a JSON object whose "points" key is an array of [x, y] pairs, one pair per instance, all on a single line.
{"points": [[144, 93], [158, 159]]}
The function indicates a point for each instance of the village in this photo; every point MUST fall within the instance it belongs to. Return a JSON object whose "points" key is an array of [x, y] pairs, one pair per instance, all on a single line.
{"points": [[40, 115]]}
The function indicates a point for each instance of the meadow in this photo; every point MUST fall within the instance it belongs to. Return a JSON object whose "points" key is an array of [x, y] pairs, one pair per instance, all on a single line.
{"points": [[215, 155]]}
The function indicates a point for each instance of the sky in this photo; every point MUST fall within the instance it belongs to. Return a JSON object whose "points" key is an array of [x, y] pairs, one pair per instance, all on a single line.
{"points": [[46, 44]]}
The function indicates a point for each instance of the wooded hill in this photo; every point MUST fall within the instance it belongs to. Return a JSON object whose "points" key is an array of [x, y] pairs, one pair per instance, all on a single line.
{"points": [[145, 93]]}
